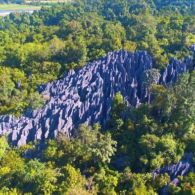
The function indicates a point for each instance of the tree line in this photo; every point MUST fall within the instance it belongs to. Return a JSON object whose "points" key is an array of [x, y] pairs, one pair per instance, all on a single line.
{"points": [[118, 160], [37, 48]]}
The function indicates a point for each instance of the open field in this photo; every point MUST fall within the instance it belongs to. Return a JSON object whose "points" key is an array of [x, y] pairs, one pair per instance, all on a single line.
{"points": [[15, 7], [47, 1]]}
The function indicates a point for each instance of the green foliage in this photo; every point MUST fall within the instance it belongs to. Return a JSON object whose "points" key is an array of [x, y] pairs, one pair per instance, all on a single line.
{"points": [[132, 183], [151, 77], [100, 147], [39, 177], [156, 134], [74, 53], [117, 161], [186, 185], [117, 112], [42, 46], [159, 151], [14, 93], [73, 180], [3, 146], [38, 48], [107, 181], [88, 147]]}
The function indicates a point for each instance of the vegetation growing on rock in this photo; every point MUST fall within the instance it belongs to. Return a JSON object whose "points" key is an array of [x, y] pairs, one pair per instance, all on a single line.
{"points": [[120, 159], [42, 46]]}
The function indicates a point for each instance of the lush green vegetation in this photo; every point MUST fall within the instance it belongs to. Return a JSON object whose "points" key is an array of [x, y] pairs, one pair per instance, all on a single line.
{"points": [[33, 2], [38, 48], [119, 160], [42, 46]]}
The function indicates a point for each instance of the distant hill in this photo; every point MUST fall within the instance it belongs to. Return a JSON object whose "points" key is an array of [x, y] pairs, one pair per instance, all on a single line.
{"points": [[11, 1], [181, 5], [31, 1]]}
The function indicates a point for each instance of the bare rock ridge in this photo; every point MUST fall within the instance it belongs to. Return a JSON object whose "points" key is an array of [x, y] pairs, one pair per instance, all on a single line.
{"points": [[85, 95], [182, 168]]}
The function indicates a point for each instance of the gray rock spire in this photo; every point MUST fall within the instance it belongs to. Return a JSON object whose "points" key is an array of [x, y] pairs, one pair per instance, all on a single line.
{"points": [[85, 96]]}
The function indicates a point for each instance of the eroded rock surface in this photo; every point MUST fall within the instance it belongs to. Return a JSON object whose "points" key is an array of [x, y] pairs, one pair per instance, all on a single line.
{"points": [[182, 168], [85, 96]]}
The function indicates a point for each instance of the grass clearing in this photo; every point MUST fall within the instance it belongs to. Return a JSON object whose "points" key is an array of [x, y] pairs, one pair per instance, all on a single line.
{"points": [[15, 7]]}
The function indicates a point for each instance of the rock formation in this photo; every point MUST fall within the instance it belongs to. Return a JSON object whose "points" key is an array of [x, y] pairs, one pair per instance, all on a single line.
{"points": [[182, 168], [85, 95]]}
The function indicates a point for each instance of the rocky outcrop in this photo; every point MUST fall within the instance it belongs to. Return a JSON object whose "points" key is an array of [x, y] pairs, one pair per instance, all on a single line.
{"points": [[85, 96], [182, 168]]}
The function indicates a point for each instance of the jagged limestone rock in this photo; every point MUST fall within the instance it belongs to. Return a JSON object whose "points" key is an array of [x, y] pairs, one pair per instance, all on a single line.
{"points": [[182, 168], [85, 96]]}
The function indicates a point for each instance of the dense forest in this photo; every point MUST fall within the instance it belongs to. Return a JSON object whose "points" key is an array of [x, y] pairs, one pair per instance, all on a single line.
{"points": [[118, 160], [40, 47]]}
